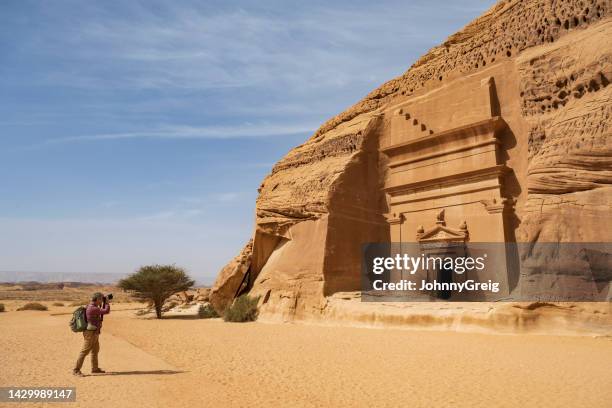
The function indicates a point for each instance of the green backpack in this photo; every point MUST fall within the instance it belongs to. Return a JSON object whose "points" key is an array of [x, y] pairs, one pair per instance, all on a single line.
{"points": [[78, 323]]}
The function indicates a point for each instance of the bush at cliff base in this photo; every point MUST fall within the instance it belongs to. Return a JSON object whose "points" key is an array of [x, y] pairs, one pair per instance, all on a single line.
{"points": [[244, 309]]}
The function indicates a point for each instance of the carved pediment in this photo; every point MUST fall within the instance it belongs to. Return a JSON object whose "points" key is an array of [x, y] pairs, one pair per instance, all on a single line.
{"points": [[441, 233]]}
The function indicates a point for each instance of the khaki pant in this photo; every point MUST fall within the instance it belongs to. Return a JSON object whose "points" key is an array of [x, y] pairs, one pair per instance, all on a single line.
{"points": [[90, 344]]}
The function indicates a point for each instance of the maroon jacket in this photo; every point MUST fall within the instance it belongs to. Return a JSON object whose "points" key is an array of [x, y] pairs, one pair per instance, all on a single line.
{"points": [[95, 314]]}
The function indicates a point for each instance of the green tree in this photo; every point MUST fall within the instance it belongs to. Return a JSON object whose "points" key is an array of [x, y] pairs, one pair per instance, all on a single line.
{"points": [[156, 283]]}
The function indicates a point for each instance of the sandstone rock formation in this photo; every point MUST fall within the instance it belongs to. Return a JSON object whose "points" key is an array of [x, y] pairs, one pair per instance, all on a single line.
{"points": [[505, 126], [230, 279], [198, 295]]}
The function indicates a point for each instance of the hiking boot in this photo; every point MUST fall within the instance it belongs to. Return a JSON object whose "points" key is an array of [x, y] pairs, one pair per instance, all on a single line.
{"points": [[77, 373], [97, 371]]}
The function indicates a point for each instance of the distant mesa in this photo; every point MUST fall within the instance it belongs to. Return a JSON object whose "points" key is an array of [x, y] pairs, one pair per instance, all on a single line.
{"points": [[56, 277]]}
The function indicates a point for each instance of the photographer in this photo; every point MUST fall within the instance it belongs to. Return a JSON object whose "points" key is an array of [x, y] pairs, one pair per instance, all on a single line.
{"points": [[95, 312]]}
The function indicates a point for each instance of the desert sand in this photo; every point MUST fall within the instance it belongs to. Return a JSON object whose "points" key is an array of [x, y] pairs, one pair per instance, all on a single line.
{"points": [[179, 362]]}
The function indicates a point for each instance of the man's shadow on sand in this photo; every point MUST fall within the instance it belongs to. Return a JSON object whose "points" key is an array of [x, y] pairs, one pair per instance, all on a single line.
{"points": [[136, 372]]}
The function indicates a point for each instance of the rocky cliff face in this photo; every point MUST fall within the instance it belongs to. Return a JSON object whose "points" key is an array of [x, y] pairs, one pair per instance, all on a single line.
{"points": [[552, 64], [566, 100]]}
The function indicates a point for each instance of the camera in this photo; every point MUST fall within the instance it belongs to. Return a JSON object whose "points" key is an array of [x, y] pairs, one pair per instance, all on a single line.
{"points": [[108, 297]]}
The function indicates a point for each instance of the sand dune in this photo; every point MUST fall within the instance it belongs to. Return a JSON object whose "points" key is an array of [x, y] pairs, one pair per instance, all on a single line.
{"points": [[187, 363]]}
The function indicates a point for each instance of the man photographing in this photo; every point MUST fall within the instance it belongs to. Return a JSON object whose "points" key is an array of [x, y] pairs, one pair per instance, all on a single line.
{"points": [[95, 312]]}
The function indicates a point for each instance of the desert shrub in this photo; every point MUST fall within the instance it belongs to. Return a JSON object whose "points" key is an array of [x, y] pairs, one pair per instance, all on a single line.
{"points": [[156, 283], [244, 309], [207, 312], [1, 307], [58, 304], [33, 306]]}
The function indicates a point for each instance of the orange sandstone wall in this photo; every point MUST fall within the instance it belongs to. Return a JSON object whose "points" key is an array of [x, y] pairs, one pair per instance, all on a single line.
{"points": [[551, 66]]}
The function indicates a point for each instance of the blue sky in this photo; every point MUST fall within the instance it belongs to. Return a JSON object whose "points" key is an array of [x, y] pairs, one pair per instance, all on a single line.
{"points": [[136, 132]]}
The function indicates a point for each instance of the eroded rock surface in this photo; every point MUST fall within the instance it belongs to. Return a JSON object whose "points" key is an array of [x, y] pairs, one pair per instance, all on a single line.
{"points": [[548, 65]]}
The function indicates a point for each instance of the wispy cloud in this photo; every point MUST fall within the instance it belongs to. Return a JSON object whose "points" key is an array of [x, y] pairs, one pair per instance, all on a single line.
{"points": [[149, 62], [171, 215], [227, 197], [109, 204], [221, 197], [189, 46], [188, 132], [188, 207]]}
